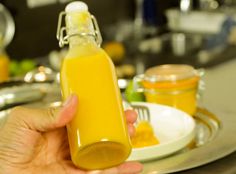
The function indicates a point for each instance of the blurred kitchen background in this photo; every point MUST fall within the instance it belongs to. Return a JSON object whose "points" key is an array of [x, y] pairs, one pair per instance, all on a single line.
{"points": [[137, 33]]}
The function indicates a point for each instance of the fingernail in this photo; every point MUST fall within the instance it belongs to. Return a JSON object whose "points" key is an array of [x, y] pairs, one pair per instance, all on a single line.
{"points": [[68, 100]]}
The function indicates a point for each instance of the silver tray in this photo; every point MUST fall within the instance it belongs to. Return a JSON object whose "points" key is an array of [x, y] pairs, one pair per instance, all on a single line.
{"points": [[213, 140], [198, 152]]}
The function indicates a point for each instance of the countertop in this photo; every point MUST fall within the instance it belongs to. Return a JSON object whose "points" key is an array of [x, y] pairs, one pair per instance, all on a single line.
{"points": [[219, 96]]}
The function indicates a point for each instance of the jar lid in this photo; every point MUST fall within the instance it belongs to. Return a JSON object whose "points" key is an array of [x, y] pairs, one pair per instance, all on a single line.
{"points": [[170, 72]]}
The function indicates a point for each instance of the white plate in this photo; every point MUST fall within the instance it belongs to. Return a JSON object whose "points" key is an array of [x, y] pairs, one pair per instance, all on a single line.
{"points": [[173, 128]]}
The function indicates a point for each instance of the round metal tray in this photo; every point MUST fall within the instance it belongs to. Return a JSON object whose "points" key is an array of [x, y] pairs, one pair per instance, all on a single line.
{"points": [[213, 138], [213, 141]]}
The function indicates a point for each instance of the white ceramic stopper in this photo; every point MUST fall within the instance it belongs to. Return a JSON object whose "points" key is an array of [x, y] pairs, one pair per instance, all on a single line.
{"points": [[76, 6]]}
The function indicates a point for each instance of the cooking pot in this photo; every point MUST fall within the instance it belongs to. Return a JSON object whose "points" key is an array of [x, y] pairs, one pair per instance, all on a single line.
{"points": [[7, 26]]}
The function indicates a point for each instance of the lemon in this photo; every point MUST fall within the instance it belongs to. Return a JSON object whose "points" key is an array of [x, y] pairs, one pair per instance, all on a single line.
{"points": [[20, 68], [115, 50], [27, 65], [14, 68]]}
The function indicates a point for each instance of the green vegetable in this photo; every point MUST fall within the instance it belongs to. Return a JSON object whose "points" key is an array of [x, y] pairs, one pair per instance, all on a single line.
{"points": [[14, 68], [27, 65], [22, 67], [132, 95]]}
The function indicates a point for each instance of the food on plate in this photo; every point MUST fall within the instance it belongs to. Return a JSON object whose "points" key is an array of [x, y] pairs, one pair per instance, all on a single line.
{"points": [[144, 135]]}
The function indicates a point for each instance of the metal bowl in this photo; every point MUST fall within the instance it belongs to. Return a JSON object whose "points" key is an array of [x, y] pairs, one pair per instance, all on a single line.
{"points": [[7, 27], [178, 44]]}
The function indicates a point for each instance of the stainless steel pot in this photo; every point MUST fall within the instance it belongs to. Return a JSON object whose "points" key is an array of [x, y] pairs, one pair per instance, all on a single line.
{"points": [[7, 26]]}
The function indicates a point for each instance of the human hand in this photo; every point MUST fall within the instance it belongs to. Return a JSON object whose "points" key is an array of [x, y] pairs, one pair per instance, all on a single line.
{"points": [[35, 141]]}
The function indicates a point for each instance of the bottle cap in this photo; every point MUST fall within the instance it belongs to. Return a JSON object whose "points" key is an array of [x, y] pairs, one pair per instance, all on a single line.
{"points": [[76, 6]]}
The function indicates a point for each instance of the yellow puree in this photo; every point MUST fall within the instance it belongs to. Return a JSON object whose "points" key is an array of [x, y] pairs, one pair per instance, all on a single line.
{"points": [[180, 94], [144, 136]]}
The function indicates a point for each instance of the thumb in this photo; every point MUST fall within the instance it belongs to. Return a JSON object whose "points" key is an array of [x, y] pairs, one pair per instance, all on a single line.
{"points": [[45, 119]]}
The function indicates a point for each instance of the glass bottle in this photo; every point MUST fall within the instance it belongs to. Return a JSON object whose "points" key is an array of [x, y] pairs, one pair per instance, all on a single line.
{"points": [[98, 135], [4, 66]]}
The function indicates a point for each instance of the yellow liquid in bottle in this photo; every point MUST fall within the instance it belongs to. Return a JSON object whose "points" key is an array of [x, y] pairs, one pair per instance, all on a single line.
{"points": [[98, 135]]}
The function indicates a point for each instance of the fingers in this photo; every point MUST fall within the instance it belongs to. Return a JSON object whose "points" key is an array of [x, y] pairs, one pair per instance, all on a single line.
{"points": [[131, 130], [131, 116], [125, 168], [45, 119], [64, 167], [130, 167]]}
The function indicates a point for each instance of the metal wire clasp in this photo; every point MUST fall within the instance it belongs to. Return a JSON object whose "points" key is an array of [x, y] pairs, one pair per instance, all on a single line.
{"points": [[63, 37]]}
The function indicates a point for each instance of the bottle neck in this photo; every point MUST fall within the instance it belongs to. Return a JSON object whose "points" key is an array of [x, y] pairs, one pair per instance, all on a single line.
{"points": [[80, 30], [82, 47], [82, 41]]}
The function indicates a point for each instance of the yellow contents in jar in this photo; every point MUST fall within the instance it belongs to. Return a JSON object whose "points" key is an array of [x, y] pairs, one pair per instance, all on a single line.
{"points": [[4, 67], [172, 85], [144, 136], [180, 94]]}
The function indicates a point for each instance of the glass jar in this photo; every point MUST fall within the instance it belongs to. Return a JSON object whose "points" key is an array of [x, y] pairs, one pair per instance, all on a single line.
{"points": [[4, 66], [173, 85]]}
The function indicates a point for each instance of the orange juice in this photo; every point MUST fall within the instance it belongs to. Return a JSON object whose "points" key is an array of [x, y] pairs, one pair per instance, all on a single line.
{"points": [[98, 135]]}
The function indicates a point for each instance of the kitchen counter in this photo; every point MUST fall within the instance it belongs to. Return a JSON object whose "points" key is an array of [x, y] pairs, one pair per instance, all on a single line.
{"points": [[219, 97]]}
